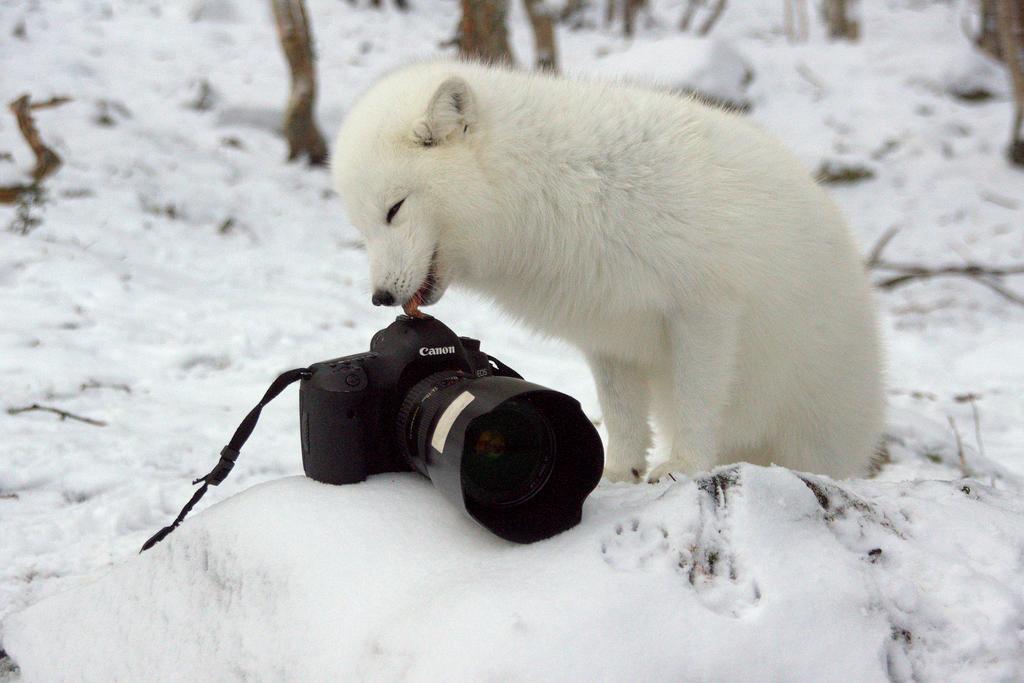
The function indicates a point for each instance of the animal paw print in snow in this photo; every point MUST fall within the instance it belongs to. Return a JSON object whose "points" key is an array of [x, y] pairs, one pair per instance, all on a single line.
{"points": [[636, 545]]}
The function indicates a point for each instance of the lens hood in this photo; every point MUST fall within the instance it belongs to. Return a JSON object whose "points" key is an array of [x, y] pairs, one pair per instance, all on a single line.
{"points": [[573, 456]]}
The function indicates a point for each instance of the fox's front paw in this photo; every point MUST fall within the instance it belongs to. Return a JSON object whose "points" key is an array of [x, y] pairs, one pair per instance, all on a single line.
{"points": [[629, 474]]}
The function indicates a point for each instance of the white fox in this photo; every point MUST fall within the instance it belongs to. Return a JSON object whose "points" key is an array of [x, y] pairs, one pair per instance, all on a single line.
{"points": [[708, 280]]}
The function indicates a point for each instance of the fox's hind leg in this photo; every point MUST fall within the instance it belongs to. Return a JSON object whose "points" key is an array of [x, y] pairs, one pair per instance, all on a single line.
{"points": [[624, 394]]}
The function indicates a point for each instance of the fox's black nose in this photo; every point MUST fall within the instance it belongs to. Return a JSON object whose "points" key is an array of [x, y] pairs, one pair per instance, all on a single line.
{"points": [[382, 297]]}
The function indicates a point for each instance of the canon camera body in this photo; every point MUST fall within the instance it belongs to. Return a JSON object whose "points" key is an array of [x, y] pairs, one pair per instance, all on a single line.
{"points": [[518, 457]]}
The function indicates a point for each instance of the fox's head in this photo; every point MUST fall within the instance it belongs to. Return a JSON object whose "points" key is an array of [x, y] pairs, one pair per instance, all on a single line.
{"points": [[405, 165]]}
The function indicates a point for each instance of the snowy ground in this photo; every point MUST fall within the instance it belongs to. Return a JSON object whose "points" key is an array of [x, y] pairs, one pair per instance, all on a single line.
{"points": [[180, 264]]}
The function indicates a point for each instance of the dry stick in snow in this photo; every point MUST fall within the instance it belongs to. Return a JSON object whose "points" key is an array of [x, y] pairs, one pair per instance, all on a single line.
{"points": [[905, 273], [1011, 41], [50, 103], [47, 161], [959, 448], [973, 400], [300, 129], [543, 24], [63, 414]]}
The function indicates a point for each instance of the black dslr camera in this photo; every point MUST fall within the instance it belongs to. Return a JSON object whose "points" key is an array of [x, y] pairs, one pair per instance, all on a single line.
{"points": [[519, 458]]}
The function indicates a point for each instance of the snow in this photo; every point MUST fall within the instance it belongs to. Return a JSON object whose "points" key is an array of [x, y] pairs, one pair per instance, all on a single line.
{"points": [[713, 68], [972, 73], [179, 265], [750, 574]]}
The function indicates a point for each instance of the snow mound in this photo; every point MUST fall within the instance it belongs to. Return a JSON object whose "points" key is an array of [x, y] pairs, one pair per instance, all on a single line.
{"points": [[711, 68], [974, 76], [749, 573]]}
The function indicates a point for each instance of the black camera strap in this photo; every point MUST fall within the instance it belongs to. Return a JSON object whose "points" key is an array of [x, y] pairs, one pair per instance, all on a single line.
{"points": [[229, 454]]}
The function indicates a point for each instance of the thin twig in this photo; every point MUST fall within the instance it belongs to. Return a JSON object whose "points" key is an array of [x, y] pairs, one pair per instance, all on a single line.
{"points": [[875, 257], [977, 425], [959, 447], [64, 415], [55, 101], [1000, 290], [979, 274]]}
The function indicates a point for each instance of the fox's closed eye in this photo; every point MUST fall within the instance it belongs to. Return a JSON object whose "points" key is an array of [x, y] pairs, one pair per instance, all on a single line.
{"points": [[394, 210]]}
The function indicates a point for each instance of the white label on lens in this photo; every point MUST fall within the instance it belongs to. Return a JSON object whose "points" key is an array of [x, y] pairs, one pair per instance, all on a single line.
{"points": [[448, 417]]}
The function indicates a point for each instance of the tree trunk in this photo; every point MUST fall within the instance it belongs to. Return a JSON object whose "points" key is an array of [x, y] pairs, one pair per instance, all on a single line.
{"points": [[629, 8], [482, 31], [688, 14], [987, 39], [300, 129], [1011, 43], [803, 25], [543, 24], [842, 19], [795, 20], [712, 19]]}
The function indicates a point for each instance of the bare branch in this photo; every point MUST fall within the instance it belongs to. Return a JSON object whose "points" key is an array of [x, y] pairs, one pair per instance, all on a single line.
{"points": [[52, 102], [63, 414], [1000, 290], [980, 274], [988, 276], [875, 257]]}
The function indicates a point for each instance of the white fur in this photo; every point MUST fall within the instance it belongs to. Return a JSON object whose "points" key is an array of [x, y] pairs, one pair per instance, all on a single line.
{"points": [[706, 277]]}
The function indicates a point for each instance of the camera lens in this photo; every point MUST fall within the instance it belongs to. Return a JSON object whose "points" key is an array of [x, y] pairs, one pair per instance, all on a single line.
{"points": [[507, 454], [518, 457]]}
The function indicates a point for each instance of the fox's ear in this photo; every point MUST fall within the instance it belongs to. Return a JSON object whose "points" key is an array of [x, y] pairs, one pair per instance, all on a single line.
{"points": [[450, 114]]}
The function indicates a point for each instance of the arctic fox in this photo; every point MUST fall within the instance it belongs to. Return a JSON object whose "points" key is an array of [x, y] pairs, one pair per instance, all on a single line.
{"points": [[707, 279]]}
